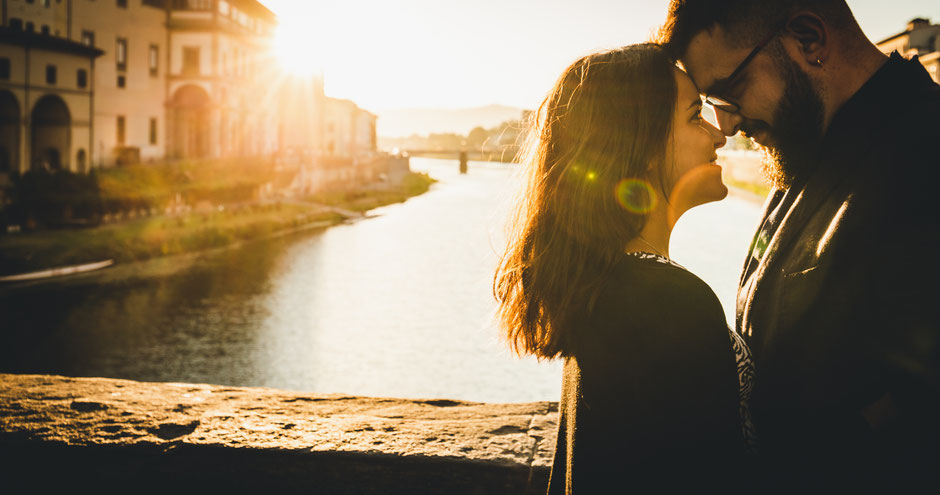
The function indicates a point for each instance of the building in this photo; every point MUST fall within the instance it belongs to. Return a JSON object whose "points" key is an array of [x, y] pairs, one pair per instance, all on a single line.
{"points": [[100, 83], [127, 81], [219, 86], [302, 115], [350, 130], [921, 38], [46, 102]]}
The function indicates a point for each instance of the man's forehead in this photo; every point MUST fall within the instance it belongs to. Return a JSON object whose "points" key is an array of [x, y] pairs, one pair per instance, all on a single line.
{"points": [[711, 56]]}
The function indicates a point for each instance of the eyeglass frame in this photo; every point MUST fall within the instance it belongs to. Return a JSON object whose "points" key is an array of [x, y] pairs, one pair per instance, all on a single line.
{"points": [[725, 105]]}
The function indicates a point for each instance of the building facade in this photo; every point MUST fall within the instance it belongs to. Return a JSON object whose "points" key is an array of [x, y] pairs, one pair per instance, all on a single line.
{"points": [[134, 81], [46, 102], [350, 130], [920, 38], [99, 83], [221, 73]]}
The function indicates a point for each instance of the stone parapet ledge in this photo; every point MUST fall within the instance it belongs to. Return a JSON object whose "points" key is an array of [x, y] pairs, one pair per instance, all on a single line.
{"points": [[104, 435]]}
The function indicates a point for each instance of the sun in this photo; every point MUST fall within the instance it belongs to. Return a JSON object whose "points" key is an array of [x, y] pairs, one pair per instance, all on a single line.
{"points": [[297, 49]]}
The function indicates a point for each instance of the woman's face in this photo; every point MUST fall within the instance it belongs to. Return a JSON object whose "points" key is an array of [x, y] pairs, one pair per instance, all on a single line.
{"points": [[691, 176]]}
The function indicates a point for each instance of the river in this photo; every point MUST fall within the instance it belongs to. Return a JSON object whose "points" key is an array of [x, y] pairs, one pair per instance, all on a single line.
{"points": [[396, 305]]}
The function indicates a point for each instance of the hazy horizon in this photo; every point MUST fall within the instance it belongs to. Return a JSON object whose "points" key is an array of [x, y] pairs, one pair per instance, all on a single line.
{"points": [[433, 55]]}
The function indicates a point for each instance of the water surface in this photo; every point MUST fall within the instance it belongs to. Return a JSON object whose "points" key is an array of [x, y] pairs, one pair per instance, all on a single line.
{"points": [[397, 305]]}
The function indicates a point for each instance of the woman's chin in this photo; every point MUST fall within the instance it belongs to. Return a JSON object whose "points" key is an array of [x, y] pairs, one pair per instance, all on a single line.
{"points": [[720, 191], [705, 185]]}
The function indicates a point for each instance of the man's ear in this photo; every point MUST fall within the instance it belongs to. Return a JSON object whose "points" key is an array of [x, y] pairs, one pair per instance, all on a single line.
{"points": [[812, 36]]}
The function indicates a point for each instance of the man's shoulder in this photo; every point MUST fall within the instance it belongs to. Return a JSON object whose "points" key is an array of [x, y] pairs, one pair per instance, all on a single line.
{"points": [[911, 132], [922, 107], [927, 104]]}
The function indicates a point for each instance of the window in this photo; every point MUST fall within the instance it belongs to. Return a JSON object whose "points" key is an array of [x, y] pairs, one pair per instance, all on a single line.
{"points": [[44, 30], [122, 4], [88, 38], [121, 124], [5, 68], [30, 27], [122, 81], [50, 74], [191, 60], [45, 3], [153, 131], [120, 54], [82, 78], [154, 60], [16, 24]]}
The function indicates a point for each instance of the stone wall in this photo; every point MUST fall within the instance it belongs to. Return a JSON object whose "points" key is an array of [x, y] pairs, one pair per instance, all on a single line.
{"points": [[59, 433]]}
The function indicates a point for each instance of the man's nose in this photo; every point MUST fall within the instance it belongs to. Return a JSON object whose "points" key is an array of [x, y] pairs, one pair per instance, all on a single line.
{"points": [[728, 122]]}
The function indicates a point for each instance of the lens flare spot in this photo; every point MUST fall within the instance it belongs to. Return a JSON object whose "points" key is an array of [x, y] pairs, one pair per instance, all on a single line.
{"points": [[636, 196], [591, 176]]}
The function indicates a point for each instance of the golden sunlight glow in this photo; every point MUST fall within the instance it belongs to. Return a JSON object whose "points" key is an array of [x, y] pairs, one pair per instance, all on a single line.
{"points": [[368, 51], [295, 47], [333, 39]]}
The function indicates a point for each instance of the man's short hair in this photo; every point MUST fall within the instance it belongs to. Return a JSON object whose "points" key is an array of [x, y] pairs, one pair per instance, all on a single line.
{"points": [[746, 21]]}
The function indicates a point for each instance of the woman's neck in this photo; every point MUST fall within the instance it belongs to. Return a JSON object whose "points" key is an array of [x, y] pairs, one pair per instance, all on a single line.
{"points": [[655, 234]]}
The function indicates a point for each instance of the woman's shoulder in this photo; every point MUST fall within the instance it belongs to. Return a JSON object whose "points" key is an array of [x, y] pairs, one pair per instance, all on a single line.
{"points": [[651, 276], [649, 290]]}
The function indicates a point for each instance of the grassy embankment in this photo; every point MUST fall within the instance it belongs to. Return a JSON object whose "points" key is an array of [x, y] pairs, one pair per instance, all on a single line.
{"points": [[761, 189], [146, 238]]}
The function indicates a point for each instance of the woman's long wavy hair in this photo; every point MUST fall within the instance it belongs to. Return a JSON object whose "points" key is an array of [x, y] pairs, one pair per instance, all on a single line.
{"points": [[596, 143]]}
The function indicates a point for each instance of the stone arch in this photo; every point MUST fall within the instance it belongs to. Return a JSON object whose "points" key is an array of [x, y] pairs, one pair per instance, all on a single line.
{"points": [[10, 121], [190, 122], [51, 134]]}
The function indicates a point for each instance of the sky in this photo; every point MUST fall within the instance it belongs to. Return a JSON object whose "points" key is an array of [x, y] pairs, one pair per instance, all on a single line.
{"points": [[449, 54]]}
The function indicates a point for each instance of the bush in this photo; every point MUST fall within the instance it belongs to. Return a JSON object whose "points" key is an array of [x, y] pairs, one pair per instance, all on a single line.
{"points": [[51, 198], [42, 199]]}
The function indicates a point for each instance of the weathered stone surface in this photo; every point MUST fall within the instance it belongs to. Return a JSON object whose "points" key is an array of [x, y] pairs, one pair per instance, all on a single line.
{"points": [[383, 440]]}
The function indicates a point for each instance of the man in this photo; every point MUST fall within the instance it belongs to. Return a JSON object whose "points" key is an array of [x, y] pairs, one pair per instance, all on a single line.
{"points": [[840, 294]]}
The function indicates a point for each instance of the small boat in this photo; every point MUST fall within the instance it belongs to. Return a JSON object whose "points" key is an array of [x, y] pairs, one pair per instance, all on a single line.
{"points": [[57, 272]]}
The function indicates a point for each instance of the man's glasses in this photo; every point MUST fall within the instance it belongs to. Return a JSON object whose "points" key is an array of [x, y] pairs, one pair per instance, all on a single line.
{"points": [[723, 104]]}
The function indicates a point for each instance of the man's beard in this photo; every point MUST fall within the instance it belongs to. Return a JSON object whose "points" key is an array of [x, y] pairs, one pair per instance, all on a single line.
{"points": [[797, 131]]}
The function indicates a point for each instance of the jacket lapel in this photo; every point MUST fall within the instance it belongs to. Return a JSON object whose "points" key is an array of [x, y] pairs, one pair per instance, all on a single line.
{"points": [[773, 199], [807, 203]]}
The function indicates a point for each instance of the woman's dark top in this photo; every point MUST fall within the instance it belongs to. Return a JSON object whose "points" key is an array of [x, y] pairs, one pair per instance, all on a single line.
{"points": [[650, 398]]}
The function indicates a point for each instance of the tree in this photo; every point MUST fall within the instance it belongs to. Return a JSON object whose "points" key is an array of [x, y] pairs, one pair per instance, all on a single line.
{"points": [[477, 138]]}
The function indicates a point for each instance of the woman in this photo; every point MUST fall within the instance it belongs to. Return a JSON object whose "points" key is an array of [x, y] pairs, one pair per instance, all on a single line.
{"points": [[651, 390]]}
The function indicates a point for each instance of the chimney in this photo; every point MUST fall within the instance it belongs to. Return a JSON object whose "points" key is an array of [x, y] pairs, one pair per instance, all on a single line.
{"points": [[918, 23]]}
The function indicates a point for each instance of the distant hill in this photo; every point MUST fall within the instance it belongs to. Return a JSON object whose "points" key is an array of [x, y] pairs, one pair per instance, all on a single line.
{"points": [[407, 121]]}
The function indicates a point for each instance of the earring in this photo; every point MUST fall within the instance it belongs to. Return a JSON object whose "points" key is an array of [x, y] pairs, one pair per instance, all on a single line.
{"points": [[818, 63]]}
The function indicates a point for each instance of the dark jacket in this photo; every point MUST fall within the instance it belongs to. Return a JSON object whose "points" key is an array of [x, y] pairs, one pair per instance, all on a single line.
{"points": [[650, 397], [839, 300]]}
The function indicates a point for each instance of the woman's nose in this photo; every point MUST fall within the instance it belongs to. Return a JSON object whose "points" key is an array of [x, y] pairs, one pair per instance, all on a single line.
{"points": [[717, 137]]}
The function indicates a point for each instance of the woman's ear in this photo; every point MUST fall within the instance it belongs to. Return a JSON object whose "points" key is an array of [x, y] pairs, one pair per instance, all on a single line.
{"points": [[812, 37]]}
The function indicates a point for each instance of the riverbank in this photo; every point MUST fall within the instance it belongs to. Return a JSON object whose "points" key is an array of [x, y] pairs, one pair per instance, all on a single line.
{"points": [[146, 238], [742, 171]]}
